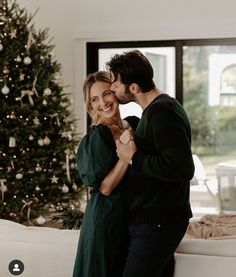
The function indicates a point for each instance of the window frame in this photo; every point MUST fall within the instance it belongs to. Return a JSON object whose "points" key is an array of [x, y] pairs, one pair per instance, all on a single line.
{"points": [[92, 49]]}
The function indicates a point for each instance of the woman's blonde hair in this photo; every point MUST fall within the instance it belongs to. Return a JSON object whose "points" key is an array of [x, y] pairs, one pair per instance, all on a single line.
{"points": [[101, 76]]}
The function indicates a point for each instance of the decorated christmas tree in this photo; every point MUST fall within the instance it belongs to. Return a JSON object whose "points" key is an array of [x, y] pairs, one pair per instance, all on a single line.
{"points": [[38, 140]]}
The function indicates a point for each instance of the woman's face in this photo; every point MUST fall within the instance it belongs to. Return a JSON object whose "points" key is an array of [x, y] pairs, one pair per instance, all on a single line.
{"points": [[102, 100]]}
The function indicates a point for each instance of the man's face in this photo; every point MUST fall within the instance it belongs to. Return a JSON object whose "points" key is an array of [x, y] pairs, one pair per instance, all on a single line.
{"points": [[121, 90]]}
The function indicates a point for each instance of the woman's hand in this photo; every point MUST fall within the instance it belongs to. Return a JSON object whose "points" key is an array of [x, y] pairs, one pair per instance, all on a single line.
{"points": [[127, 136]]}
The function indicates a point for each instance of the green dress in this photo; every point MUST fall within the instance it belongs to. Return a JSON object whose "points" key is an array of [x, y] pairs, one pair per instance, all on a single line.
{"points": [[103, 241]]}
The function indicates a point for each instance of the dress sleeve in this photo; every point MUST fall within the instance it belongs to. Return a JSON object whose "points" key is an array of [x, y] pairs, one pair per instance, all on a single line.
{"points": [[96, 155]]}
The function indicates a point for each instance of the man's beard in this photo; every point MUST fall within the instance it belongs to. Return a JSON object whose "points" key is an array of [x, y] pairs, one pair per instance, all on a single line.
{"points": [[128, 96]]}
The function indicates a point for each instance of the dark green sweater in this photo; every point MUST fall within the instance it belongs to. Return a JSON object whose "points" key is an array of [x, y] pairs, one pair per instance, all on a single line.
{"points": [[158, 180]]}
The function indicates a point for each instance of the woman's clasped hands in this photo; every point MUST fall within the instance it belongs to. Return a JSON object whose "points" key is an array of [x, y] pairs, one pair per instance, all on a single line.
{"points": [[125, 145]]}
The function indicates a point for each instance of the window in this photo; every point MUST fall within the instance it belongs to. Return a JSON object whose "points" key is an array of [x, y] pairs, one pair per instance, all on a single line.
{"points": [[201, 74]]}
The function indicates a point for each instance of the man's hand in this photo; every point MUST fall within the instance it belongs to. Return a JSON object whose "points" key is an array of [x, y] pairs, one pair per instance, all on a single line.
{"points": [[125, 151]]}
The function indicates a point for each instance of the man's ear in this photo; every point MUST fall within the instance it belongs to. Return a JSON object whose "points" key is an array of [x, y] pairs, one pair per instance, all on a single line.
{"points": [[134, 88]]}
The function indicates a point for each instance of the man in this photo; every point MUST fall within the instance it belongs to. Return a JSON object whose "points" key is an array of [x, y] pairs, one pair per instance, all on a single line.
{"points": [[161, 168]]}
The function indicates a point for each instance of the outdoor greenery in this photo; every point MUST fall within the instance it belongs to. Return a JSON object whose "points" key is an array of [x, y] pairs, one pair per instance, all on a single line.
{"points": [[213, 127]]}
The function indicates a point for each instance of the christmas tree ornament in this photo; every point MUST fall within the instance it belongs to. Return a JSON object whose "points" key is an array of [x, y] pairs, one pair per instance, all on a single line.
{"points": [[66, 119], [74, 187], [37, 188], [54, 179], [36, 121], [69, 135], [5, 90], [28, 93], [72, 206], [22, 76], [65, 188], [47, 92], [27, 205], [13, 34], [34, 90], [30, 36], [72, 156], [18, 59], [44, 102], [1, 47], [57, 119], [57, 78], [3, 187], [40, 142], [64, 134], [12, 115], [27, 60], [5, 70], [12, 142], [51, 55], [19, 176], [40, 220], [46, 140], [38, 168], [12, 164], [31, 137], [12, 214], [68, 164]]}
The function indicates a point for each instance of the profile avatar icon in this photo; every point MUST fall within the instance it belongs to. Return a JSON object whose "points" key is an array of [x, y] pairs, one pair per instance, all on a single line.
{"points": [[16, 267]]}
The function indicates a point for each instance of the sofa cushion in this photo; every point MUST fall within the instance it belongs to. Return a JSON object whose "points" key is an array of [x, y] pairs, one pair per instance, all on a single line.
{"points": [[222, 246], [44, 251]]}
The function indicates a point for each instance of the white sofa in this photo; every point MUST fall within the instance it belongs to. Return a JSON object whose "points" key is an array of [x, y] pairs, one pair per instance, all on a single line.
{"points": [[50, 252], [206, 257], [45, 252]]}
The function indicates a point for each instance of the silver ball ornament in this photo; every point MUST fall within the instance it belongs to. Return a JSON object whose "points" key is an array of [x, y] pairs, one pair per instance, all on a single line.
{"points": [[65, 188], [40, 142], [5, 90], [19, 176], [40, 220], [27, 60], [47, 92]]}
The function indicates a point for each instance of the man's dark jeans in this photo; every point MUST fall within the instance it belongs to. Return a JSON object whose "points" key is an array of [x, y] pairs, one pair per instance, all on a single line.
{"points": [[152, 247]]}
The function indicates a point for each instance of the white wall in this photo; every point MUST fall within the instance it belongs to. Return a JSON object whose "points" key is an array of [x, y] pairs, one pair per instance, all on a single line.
{"points": [[73, 22]]}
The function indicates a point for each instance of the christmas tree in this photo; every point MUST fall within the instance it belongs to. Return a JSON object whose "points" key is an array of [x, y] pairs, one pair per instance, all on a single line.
{"points": [[38, 140]]}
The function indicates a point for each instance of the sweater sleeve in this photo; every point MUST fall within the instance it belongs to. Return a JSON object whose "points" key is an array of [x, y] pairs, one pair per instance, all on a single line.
{"points": [[171, 158]]}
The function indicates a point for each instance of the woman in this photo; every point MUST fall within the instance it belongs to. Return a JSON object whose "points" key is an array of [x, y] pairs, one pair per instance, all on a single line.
{"points": [[103, 237]]}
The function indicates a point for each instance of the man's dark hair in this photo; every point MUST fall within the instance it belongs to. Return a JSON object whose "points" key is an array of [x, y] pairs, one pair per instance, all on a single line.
{"points": [[133, 67]]}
